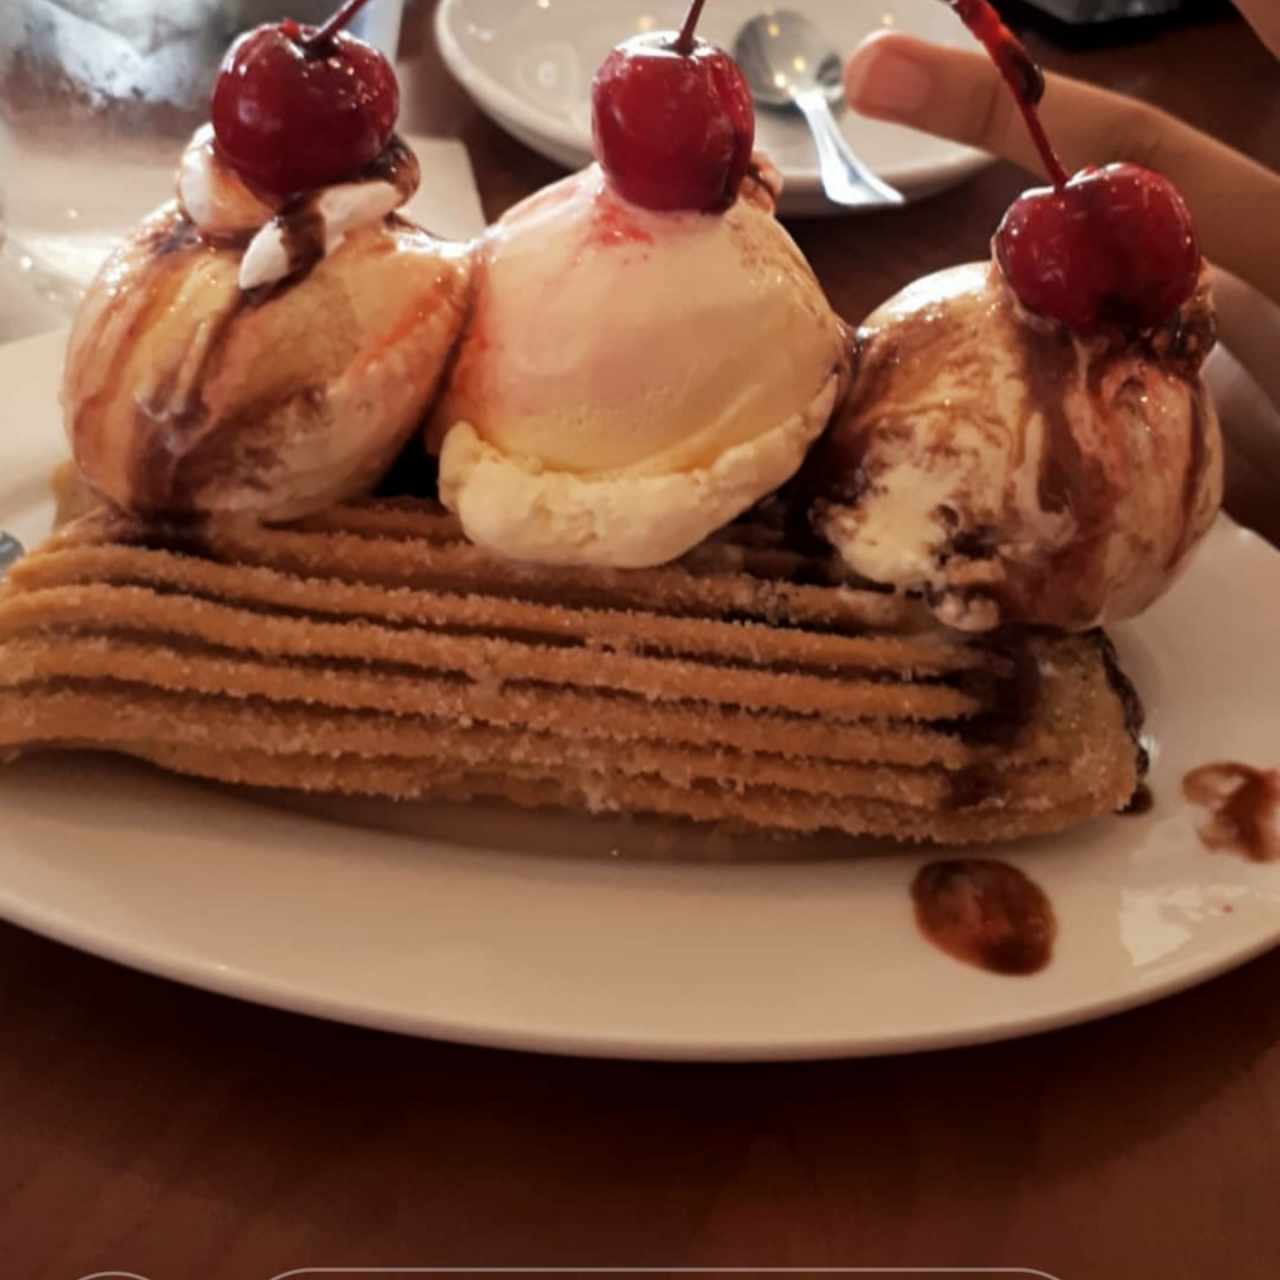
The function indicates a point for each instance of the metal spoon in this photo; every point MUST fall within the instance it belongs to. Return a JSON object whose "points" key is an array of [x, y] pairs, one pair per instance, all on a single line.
{"points": [[10, 550], [788, 63]]}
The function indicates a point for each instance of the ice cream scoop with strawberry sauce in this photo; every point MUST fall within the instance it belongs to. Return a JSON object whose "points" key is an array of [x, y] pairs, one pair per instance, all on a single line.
{"points": [[648, 352], [1029, 439], [265, 344]]}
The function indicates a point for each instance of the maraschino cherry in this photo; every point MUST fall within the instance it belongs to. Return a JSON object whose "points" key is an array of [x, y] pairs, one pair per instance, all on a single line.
{"points": [[673, 121], [296, 107], [1110, 246]]}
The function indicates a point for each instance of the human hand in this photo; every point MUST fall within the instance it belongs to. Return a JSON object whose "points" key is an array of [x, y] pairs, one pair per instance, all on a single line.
{"points": [[1235, 201], [960, 95]]}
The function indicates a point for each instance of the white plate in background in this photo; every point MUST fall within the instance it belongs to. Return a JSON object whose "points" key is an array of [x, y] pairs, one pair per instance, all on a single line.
{"points": [[493, 927], [529, 63]]}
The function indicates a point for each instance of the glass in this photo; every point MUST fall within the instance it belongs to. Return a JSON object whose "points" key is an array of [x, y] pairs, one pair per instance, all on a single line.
{"points": [[97, 98]]}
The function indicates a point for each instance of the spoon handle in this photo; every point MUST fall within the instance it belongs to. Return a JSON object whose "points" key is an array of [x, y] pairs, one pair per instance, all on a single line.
{"points": [[10, 550], [845, 179]]}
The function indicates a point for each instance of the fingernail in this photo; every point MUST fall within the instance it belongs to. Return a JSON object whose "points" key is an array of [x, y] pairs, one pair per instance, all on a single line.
{"points": [[880, 82]]}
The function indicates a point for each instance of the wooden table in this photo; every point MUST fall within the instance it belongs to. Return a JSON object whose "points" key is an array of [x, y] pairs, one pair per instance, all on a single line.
{"points": [[152, 1129]]}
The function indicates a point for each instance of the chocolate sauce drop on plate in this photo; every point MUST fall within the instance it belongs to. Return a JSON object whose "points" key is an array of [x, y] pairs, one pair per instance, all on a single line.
{"points": [[985, 913], [1244, 808], [1142, 801]]}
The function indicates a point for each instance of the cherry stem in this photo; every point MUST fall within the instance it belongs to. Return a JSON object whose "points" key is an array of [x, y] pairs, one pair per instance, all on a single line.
{"points": [[1057, 172], [684, 41], [1020, 73], [337, 22]]}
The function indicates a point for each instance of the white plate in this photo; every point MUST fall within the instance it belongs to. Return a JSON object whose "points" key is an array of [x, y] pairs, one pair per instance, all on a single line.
{"points": [[479, 928], [529, 63]]}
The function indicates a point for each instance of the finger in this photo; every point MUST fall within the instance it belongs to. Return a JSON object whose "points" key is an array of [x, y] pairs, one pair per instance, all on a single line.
{"points": [[1250, 326], [1264, 18], [959, 95]]}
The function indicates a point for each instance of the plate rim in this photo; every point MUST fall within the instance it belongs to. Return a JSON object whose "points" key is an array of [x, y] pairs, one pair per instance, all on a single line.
{"points": [[188, 964], [223, 980], [503, 105]]}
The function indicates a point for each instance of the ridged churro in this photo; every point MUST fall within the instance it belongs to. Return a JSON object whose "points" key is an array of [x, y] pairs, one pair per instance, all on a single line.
{"points": [[372, 650]]}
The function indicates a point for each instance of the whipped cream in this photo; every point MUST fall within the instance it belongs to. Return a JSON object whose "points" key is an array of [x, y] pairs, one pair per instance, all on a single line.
{"points": [[214, 196], [288, 235]]}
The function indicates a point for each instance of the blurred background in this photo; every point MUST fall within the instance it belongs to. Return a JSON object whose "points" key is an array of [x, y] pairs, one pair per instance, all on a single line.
{"points": [[95, 97]]}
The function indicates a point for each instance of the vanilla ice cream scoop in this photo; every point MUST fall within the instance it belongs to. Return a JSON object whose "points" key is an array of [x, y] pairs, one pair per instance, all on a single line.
{"points": [[631, 380], [1012, 472], [187, 394]]}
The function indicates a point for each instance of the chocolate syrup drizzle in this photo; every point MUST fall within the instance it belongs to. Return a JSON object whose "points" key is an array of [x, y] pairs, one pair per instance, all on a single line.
{"points": [[174, 463], [1010, 692], [1135, 717], [302, 225], [1142, 801], [1069, 586], [162, 475], [1135, 714]]}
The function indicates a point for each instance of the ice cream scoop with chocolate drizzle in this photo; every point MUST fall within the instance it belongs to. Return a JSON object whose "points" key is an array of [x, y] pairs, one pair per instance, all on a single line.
{"points": [[1030, 440], [261, 354], [1012, 471]]}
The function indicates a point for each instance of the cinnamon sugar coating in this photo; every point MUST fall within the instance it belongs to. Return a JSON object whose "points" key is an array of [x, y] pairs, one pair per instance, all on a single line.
{"points": [[371, 650]]}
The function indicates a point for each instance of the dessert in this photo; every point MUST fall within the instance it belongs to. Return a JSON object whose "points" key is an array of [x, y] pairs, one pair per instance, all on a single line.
{"points": [[710, 364], [648, 353], [627, 608], [1015, 471], [1029, 440], [267, 343], [374, 650]]}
